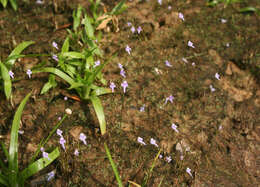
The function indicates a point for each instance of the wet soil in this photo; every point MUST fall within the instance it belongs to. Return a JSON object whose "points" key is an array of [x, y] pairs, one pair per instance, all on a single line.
{"points": [[218, 121]]}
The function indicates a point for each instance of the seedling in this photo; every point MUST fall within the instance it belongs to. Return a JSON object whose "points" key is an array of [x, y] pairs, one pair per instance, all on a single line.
{"points": [[10, 175]]}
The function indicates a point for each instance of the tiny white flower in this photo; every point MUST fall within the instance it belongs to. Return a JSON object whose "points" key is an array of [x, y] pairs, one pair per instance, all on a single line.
{"points": [[188, 170], [153, 142], [217, 76], [212, 89], [190, 44], [223, 21], [174, 127], [181, 16], [168, 159], [141, 141], [68, 111]]}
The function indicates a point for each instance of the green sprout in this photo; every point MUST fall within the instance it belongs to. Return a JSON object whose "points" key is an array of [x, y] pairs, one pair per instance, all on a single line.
{"points": [[10, 175], [6, 66], [12, 2]]}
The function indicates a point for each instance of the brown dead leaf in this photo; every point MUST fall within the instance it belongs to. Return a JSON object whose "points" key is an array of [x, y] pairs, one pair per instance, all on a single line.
{"points": [[104, 23]]}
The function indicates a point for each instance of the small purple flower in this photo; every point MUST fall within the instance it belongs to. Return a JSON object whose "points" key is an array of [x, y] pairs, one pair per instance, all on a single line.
{"points": [[44, 154], [174, 127], [120, 66], [181, 157], [185, 60], [142, 108], [193, 64], [55, 57], [112, 86], [11, 74], [190, 44], [139, 30], [188, 170], [39, 2], [55, 45], [160, 156], [181, 16], [128, 49], [65, 98], [59, 118], [220, 127], [170, 98], [97, 63], [50, 175], [129, 24], [168, 159], [169, 7], [76, 152], [124, 85], [141, 141], [160, 2], [62, 142], [83, 137], [153, 142], [212, 89], [59, 132], [217, 76], [122, 73], [167, 63], [227, 45], [133, 29], [29, 73]]}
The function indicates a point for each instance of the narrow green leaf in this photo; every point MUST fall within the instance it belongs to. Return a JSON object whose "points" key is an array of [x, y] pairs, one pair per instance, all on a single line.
{"points": [[74, 54], [18, 50], [97, 91], [249, 9], [47, 86], [14, 4], [3, 180], [56, 72], [88, 27], [100, 113], [66, 45], [13, 149], [39, 165], [7, 80], [76, 18], [4, 3], [119, 181], [93, 76], [5, 151], [119, 8]]}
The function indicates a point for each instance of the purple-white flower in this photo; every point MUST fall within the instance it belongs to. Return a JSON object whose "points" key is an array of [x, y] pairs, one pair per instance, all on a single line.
{"points": [[223, 21], [190, 44], [160, 156], [170, 98], [141, 141], [153, 142], [50, 175], [124, 85], [160, 2], [76, 152], [168, 159], [128, 49], [129, 24], [169, 7], [97, 63], [181, 16], [167, 63], [29, 73], [217, 76], [59, 132], [120, 66], [139, 29], [55, 57], [142, 108], [174, 127], [44, 154], [112, 86], [133, 29], [220, 127], [62, 142], [227, 45], [185, 60], [193, 64], [11, 74], [59, 118], [65, 98], [212, 89], [83, 137], [55, 45], [188, 170], [39, 2], [122, 73]]}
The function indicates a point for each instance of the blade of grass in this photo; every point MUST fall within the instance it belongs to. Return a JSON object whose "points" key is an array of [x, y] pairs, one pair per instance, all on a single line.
{"points": [[14, 4], [7, 80], [4, 3], [120, 7], [38, 165], [120, 184], [100, 113], [3, 180], [13, 149]]}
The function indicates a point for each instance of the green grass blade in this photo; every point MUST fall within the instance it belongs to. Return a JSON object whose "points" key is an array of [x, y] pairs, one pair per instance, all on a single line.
{"points": [[73, 54], [66, 45], [13, 149], [97, 91], [14, 4], [88, 27], [3, 180], [100, 113], [7, 80], [18, 50], [57, 72], [93, 76], [5, 150], [76, 18], [4, 3], [120, 184], [38, 165], [119, 8]]}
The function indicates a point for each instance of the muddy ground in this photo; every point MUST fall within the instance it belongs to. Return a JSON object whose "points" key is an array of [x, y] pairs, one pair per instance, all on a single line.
{"points": [[217, 120]]}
